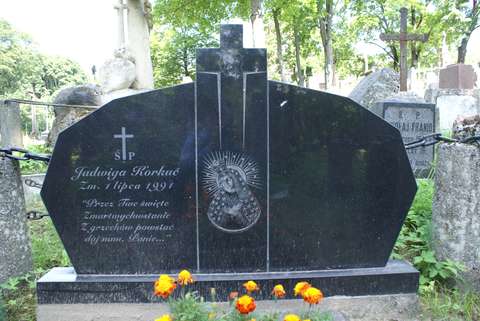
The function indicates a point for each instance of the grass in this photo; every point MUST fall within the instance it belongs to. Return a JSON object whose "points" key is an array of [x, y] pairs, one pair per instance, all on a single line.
{"points": [[47, 250], [443, 304]]}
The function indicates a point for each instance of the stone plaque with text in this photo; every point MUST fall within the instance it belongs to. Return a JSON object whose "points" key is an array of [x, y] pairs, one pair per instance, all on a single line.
{"points": [[413, 120]]}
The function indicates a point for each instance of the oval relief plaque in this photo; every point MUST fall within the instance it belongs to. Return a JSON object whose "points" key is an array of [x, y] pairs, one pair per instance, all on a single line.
{"points": [[229, 178]]}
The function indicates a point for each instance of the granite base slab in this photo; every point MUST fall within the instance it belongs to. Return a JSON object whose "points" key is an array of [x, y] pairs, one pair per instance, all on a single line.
{"points": [[64, 286], [404, 307]]}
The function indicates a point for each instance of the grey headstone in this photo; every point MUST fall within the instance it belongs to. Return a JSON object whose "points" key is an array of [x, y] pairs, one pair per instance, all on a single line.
{"points": [[413, 118], [10, 124], [15, 254], [376, 87]]}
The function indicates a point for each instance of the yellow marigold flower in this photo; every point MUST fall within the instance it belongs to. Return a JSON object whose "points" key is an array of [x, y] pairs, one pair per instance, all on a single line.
{"points": [[164, 317], [292, 317], [165, 277], [245, 304], [211, 315], [184, 278], [312, 295], [278, 291], [164, 287], [301, 287], [307, 320], [250, 286]]}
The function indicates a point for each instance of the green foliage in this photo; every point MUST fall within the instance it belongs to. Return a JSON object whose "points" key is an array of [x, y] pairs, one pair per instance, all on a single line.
{"points": [[26, 73], [3, 312], [173, 53], [202, 14], [190, 307], [414, 241], [35, 167], [431, 17], [19, 298], [47, 249]]}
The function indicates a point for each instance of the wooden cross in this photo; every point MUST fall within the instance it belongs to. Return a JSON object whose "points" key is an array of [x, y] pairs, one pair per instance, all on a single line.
{"points": [[403, 37]]}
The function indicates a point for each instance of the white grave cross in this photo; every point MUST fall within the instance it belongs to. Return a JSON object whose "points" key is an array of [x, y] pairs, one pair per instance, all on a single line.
{"points": [[123, 136]]}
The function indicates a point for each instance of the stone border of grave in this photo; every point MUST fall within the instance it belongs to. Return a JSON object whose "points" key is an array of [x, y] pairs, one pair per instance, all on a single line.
{"points": [[63, 285]]}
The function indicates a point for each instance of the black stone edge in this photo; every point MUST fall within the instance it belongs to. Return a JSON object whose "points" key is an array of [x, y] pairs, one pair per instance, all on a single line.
{"points": [[63, 286]]}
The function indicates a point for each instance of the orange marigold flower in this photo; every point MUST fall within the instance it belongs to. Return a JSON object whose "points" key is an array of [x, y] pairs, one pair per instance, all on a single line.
{"points": [[164, 287], [251, 286], [278, 291], [245, 304], [184, 278], [233, 295], [291, 317], [164, 317], [312, 295], [301, 287]]}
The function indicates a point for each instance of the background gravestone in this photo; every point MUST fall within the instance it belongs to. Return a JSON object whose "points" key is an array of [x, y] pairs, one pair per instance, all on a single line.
{"points": [[376, 87], [207, 177], [15, 253], [414, 119]]}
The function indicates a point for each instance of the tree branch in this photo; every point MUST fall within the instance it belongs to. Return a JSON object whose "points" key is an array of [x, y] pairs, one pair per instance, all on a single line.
{"points": [[383, 48]]}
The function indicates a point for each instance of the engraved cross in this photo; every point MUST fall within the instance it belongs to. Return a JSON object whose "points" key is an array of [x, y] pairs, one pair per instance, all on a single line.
{"points": [[123, 136]]}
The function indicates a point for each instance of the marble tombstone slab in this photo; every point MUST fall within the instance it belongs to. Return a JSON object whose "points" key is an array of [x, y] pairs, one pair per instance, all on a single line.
{"points": [[414, 120], [232, 173]]}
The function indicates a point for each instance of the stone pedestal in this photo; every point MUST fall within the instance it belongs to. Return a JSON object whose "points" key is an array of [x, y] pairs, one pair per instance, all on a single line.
{"points": [[64, 286], [458, 76], [15, 253], [403, 307], [10, 125], [456, 207]]}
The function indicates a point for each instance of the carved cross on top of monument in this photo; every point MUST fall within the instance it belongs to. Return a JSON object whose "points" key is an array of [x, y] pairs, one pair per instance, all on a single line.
{"points": [[231, 59], [232, 85], [403, 37]]}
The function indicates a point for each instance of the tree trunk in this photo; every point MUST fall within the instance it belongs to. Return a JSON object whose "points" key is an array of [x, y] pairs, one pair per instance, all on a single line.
{"points": [[256, 18], [186, 72], [325, 19], [415, 52], [396, 58], [462, 50], [278, 37], [296, 36]]}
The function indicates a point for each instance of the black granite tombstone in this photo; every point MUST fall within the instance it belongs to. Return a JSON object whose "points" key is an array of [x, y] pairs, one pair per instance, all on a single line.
{"points": [[233, 177]]}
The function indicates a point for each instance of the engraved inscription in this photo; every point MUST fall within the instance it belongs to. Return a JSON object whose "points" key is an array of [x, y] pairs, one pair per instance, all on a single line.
{"points": [[413, 123], [130, 204]]}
